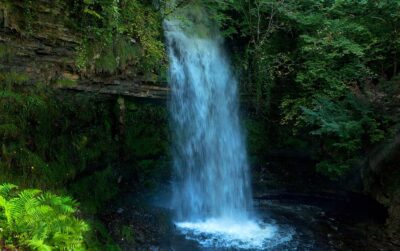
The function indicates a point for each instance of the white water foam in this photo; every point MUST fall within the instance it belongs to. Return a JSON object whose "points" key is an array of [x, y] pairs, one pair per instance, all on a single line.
{"points": [[227, 233]]}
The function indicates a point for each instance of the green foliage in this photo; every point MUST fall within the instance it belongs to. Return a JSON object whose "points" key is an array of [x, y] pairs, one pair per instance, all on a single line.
{"points": [[66, 82], [95, 190], [40, 146], [28, 16], [343, 128], [147, 143], [144, 137], [257, 140], [6, 53], [99, 238], [119, 34], [39, 221], [300, 60]]}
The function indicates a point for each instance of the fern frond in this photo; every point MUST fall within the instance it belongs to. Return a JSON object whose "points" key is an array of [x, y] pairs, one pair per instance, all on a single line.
{"points": [[38, 245], [5, 189], [62, 204], [42, 221]]}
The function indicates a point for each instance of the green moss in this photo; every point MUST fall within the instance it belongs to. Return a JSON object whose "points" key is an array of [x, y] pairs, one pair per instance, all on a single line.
{"points": [[6, 53], [50, 138], [9, 131], [120, 35], [28, 16], [256, 137], [106, 62], [146, 144], [151, 172], [147, 134], [95, 190], [127, 52], [127, 234], [11, 80], [66, 82], [108, 58], [99, 238]]}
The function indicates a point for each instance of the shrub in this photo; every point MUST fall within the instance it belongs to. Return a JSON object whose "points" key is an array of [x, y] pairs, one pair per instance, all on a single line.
{"points": [[39, 221]]}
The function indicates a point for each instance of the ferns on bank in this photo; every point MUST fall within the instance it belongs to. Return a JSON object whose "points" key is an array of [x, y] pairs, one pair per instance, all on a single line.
{"points": [[39, 221]]}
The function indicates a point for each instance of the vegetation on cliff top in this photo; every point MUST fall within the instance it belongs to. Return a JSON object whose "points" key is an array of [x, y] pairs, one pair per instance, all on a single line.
{"points": [[118, 34]]}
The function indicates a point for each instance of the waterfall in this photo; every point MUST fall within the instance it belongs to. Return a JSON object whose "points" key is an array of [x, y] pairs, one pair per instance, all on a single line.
{"points": [[211, 193], [210, 157]]}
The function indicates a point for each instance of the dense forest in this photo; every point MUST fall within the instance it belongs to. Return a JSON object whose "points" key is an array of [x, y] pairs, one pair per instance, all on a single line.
{"points": [[84, 120]]}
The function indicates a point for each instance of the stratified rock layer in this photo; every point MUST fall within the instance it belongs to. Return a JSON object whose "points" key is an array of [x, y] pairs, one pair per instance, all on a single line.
{"points": [[44, 47]]}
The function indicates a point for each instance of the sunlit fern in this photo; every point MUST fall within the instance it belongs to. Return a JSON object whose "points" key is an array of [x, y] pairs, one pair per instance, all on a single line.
{"points": [[40, 221]]}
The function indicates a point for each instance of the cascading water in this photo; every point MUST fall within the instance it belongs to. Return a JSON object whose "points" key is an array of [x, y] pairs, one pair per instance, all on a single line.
{"points": [[212, 194], [210, 158]]}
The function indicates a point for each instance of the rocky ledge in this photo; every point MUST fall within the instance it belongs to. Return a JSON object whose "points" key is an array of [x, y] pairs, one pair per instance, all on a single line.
{"points": [[46, 52]]}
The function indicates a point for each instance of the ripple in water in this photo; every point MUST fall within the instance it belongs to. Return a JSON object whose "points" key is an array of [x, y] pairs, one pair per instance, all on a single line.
{"points": [[227, 233]]}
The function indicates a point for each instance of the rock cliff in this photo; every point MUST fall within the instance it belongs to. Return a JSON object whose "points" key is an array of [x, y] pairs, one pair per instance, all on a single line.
{"points": [[381, 176], [44, 46]]}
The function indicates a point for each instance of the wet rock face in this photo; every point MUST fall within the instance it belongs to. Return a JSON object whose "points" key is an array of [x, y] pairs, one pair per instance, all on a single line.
{"points": [[42, 42], [394, 222], [382, 180], [41, 47], [2, 12]]}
